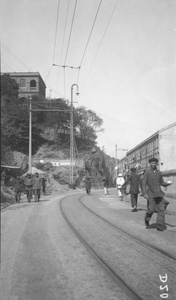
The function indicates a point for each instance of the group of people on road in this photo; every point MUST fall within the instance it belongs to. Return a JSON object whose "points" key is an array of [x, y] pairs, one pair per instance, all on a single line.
{"points": [[29, 185], [88, 185], [150, 187]]}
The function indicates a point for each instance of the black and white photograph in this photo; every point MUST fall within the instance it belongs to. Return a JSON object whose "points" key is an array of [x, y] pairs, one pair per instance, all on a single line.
{"points": [[88, 150]]}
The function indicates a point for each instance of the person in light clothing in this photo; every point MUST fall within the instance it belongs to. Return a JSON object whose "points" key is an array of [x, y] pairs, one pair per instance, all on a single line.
{"points": [[106, 185], [119, 183]]}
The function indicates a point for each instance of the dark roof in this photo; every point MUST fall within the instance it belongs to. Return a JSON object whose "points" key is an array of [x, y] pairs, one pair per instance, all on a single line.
{"points": [[26, 74]]}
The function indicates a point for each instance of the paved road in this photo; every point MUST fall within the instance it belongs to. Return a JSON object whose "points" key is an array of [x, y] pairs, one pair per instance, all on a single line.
{"points": [[41, 259]]}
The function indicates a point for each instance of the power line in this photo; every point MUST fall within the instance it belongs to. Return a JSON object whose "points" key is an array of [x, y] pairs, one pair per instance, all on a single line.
{"points": [[58, 9], [48, 73], [63, 45], [101, 42], [64, 30], [63, 66], [90, 32], [16, 57], [27, 67], [70, 31], [125, 123], [64, 74]]}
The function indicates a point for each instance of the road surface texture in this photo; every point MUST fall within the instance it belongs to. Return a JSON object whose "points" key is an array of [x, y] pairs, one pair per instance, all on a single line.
{"points": [[43, 258]]}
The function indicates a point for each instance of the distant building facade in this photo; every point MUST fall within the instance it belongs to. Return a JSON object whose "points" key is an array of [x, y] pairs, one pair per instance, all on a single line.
{"points": [[30, 84], [161, 145]]}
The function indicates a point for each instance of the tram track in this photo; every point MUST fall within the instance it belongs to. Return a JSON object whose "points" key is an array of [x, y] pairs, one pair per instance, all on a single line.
{"points": [[131, 293], [137, 239], [106, 256]]}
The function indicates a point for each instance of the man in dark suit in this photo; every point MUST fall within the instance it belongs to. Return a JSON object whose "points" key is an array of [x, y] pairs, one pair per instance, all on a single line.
{"points": [[152, 182], [134, 181]]}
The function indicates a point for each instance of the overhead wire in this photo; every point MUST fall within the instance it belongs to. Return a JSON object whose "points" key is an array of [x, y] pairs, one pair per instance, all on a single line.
{"points": [[55, 39], [125, 123], [27, 67], [70, 32], [57, 18], [98, 9], [64, 30], [48, 73], [16, 57], [63, 40], [100, 42]]}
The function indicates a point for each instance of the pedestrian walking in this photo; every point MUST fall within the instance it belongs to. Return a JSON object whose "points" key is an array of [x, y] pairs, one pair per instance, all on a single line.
{"points": [[44, 185], [18, 186], [119, 183], [152, 182], [3, 178], [37, 186], [88, 185], [106, 185], [28, 182], [141, 174], [134, 181]]}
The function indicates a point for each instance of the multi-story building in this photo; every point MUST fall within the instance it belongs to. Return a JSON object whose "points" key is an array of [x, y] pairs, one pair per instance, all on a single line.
{"points": [[162, 145], [30, 84]]}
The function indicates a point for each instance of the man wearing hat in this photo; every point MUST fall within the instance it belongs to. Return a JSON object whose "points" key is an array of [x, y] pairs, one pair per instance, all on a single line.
{"points": [[152, 182], [134, 180]]}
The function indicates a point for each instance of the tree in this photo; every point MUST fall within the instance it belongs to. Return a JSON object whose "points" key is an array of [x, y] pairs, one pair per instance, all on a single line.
{"points": [[87, 123], [15, 119], [52, 127], [9, 90]]}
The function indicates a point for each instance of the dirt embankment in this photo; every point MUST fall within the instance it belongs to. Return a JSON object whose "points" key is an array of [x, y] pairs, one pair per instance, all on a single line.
{"points": [[52, 186]]}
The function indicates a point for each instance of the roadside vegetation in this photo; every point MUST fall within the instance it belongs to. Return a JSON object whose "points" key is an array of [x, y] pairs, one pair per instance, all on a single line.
{"points": [[50, 135]]}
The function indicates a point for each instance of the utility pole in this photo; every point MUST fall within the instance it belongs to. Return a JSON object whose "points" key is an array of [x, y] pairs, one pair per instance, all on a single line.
{"points": [[31, 109], [116, 157], [72, 135], [30, 136]]}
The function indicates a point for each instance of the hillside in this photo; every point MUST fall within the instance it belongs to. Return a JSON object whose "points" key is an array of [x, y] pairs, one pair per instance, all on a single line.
{"points": [[96, 164]]}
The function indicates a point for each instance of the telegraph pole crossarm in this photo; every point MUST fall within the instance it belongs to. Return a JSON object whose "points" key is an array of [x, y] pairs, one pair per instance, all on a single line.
{"points": [[30, 124]]}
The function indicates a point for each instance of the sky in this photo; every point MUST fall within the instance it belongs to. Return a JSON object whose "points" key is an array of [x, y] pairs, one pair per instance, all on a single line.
{"points": [[126, 51]]}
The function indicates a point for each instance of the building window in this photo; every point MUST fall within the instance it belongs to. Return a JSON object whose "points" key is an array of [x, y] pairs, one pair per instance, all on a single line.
{"points": [[22, 83], [33, 84]]}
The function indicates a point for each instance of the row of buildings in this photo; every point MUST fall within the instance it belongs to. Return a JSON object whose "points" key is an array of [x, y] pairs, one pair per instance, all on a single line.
{"points": [[162, 145]]}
